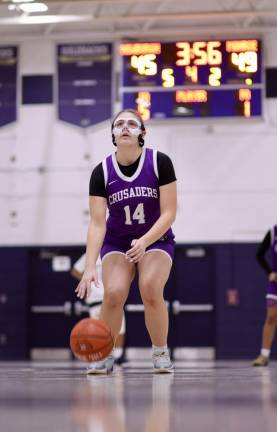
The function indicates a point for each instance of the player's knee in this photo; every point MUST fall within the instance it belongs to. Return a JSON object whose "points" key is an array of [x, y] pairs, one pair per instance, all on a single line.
{"points": [[114, 298], [151, 298]]}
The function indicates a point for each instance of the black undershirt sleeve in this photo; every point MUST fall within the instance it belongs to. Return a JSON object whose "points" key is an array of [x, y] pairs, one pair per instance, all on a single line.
{"points": [[97, 182], [165, 169], [264, 246]]}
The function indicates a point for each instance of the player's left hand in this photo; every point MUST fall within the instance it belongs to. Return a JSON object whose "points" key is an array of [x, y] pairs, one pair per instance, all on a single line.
{"points": [[137, 251]]}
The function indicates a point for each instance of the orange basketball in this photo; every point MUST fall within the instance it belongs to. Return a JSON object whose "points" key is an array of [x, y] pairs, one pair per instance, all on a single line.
{"points": [[91, 340]]}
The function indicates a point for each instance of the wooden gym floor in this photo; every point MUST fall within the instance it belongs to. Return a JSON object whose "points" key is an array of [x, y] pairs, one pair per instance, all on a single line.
{"points": [[200, 396]]}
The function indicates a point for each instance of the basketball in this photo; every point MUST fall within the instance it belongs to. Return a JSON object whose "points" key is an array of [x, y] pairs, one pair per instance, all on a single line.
{"points": [[91, 340]]}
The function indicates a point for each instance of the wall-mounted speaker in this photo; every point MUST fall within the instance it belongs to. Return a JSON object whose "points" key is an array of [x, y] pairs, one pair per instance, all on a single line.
{"points": [[37, 89], [271, 82]]}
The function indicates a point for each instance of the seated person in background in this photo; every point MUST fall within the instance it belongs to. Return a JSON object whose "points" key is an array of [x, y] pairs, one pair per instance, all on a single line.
{"points": [[269, 242], [94, 302]]}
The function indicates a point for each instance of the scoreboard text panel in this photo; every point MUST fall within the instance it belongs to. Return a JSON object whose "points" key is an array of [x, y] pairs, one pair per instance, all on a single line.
{"points": [[182, 76]]}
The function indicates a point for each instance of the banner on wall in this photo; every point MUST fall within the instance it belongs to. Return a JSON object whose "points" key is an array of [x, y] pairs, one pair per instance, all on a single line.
{"points": [[8, 79], [84, 83]]}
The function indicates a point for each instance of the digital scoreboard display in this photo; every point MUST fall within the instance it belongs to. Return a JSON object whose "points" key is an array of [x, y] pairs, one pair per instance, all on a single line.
{"points": [[214, 78]]}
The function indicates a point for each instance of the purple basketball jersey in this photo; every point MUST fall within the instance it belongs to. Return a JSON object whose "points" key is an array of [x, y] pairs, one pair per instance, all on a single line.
{"points": [[272, 286], [133, 202]]}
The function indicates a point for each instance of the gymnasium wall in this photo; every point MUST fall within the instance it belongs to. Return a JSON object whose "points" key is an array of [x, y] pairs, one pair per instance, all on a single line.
{"points": [[227, 194], [226, 169], [223, 276]]}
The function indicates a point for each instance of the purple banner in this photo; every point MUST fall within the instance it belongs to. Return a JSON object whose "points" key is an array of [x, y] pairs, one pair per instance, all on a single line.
{"points": [[8, 78], [84, 83]]}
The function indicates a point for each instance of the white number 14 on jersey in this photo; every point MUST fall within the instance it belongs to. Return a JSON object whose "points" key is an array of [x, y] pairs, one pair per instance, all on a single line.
{"points": [[137, 215]]}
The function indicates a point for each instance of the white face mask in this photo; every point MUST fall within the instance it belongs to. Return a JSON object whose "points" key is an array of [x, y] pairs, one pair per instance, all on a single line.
{"points": [[131, 125]]}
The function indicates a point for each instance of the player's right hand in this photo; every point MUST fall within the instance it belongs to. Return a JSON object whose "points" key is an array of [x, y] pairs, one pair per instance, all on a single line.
{"points": [[272, 277], [84, 287]]}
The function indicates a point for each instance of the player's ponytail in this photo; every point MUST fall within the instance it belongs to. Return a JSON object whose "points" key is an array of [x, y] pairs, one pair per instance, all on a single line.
{"points": [[141, 140]]}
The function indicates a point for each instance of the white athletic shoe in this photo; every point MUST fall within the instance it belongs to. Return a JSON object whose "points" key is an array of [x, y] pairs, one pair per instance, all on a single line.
{"points": [[101, 367], [260, 361], [162, 362]]}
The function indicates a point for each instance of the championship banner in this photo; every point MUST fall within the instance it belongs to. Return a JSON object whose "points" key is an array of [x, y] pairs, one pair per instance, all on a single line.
{"points": [[8, 79], [84, 83]]}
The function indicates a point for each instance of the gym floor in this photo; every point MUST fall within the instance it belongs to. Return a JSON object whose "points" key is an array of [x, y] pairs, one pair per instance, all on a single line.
{"points": [[199, 396]]}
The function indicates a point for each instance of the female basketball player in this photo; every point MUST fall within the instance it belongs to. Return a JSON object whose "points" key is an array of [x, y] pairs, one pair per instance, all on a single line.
{"points": [[138, 186], [269, 242]]}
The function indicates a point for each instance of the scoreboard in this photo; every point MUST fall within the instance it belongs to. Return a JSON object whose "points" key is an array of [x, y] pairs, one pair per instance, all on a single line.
{"points": [[207, 78]]}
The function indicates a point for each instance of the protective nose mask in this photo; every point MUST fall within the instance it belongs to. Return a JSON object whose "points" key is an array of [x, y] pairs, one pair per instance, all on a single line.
{"points": [[133, 127]]}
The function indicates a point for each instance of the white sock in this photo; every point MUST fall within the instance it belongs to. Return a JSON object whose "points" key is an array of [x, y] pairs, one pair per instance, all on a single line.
{"points": [[265, 352], [117, 352], [159, 349]]}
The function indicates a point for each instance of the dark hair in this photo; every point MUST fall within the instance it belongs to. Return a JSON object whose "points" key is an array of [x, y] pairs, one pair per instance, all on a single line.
{"points": [[138, 116]]}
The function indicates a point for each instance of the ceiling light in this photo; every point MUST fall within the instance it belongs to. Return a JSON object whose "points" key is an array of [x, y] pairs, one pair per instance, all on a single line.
{"points": [[33, 7], [23, 1], [45, 19]]}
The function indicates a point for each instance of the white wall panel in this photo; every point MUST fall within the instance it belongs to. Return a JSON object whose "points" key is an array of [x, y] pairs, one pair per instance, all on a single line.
{"points": [[69, 183], [221, 217], [58, 220], [35, 136], [226, 170], [5, 235], [269, 46], [37, 57], [4, 184]]}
